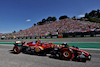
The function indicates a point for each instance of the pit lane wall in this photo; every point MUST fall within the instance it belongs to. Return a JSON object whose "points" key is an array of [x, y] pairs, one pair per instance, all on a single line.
{"points": [[62, 35]]}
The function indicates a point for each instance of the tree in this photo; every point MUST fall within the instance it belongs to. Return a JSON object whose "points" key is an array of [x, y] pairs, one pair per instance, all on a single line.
{"points": [[20, 30], [98, 13], [14, 31], [43, 20], [40, 23], [86, 15], [34, 24], [63, 17], [94, 19], [49, 19], [93, 16], [93, 13], [74, 17], [54, 18], [10, 34]]}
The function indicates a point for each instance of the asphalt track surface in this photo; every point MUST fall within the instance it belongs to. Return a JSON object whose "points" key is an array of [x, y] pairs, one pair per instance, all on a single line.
{"points": [[9, 59]]}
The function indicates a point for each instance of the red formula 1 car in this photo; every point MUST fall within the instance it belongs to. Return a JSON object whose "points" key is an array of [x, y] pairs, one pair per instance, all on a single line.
{"points": [[70, 53], [58, 51], [33, 47]]}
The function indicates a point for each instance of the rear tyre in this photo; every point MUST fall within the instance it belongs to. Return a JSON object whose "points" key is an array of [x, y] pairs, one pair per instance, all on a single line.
{"points": [[17, 49], [66, 55]]}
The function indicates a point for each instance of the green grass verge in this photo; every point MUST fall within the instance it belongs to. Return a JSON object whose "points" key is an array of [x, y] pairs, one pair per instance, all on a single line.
{"points": [[80, 45]]}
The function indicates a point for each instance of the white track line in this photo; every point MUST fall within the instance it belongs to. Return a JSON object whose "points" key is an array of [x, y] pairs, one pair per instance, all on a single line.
{"points": [[89, 48]]}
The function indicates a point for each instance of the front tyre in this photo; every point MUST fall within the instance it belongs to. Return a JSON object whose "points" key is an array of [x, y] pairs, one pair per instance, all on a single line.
{"points": [[66, 55]]}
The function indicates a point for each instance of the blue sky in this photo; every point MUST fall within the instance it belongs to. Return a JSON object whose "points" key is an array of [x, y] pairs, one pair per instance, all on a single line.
{"points": [[22, 14]]}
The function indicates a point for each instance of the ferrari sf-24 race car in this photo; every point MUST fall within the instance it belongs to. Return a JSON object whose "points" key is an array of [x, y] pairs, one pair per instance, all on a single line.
{"points": [[63, 51]]}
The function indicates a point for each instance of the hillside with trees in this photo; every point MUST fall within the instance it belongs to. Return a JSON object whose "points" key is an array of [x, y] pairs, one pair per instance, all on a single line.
{"points": [[93, 16]]}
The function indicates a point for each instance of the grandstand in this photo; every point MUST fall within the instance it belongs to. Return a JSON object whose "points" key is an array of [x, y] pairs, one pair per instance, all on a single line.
{"points": [[58, 27], [61, 26]]}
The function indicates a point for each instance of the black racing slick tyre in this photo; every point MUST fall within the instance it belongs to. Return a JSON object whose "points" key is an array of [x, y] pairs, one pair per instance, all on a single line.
{"points": [[17, 49], [66, 55]]}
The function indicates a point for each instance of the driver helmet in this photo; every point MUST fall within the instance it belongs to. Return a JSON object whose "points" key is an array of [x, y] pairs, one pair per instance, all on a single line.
{"points": [[34, 42], [65, 44], [39, 41]]}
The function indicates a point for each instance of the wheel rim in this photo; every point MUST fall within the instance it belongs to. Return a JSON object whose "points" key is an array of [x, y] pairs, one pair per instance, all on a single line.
{"points": [[66, 54], [16, 50]]}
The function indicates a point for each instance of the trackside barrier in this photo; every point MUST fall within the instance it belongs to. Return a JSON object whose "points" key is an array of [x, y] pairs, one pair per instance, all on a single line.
{"points": [[87, 36], [60, 36], [97, 35], [48, 37], [38, 37], [42, 37], [55, 36], [75, 34]]}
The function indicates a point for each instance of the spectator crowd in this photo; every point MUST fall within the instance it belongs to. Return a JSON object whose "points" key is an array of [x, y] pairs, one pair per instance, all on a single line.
{"points": [[61, 26]]}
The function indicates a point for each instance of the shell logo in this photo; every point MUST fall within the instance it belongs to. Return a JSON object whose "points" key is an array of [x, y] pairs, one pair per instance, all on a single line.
{"points": [[38, 49]]}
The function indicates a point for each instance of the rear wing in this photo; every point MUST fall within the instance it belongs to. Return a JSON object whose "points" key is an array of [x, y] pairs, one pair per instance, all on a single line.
{"points": [[19, 42]]}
